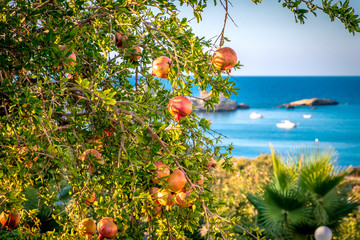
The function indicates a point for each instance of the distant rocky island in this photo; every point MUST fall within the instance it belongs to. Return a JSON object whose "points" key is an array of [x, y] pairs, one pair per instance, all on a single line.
{"points": [[310, 102], [225, 105]]}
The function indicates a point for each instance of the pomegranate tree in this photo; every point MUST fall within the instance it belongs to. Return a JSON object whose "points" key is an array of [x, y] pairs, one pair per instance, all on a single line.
{"points": [[224, 59], [179, 107], [161, 66], [107, 228]]}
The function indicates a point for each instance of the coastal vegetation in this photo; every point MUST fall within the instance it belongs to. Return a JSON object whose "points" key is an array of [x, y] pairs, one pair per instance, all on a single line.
{"points": [[304, 188], [81, 145]]}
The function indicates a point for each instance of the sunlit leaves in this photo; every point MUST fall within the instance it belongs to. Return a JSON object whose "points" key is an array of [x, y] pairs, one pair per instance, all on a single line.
{"points": [[339, 10]]}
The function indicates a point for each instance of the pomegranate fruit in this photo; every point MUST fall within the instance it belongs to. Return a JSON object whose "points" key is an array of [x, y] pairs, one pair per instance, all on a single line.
{"points": [[92, 154], [107, 133], [162, 171], [158, 210], [9, 220], [179, 107], [71, 60], [107, 228], [224, 59], [87, 227], [91, 199], [165, 197], [201, 181], [72, 77], [135, 55], [120, 39], [210, 164], [161, 66], [181, 200], [154, 194], [176, 181], [28, 164]]}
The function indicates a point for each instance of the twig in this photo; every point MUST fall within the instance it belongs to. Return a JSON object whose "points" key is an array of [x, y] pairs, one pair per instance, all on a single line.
{"points": [[136, 78], [169, 229]]}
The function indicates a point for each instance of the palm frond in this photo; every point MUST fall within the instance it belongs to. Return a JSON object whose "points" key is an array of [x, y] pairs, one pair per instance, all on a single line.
{"points": [[339, 207], [279, 210], [284, 178], [318, 175]]}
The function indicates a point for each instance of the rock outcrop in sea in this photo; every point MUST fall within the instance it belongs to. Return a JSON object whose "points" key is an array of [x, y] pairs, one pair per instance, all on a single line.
{"points": [[310, 102], [224, 105]]}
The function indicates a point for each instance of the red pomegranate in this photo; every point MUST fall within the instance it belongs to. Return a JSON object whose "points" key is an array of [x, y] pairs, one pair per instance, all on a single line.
{"points": [[92, 154], [119, 39], [158, 210], [165, 197], [181, 199], [201, 181], [162, 197], [107, 133], [224, 59], [107, 228], [90, 200], [161, 66], [176, 181], [71, 60], [179, 107], [9, 220], [154, 193], [135, 55], [161, 172]]}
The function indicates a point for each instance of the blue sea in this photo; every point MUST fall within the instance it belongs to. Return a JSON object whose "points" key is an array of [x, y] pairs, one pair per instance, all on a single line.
{"points": [[336, 126]]}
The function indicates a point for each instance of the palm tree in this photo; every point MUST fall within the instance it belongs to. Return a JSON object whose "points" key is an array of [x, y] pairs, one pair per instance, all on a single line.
{"points": [[305, 193]]}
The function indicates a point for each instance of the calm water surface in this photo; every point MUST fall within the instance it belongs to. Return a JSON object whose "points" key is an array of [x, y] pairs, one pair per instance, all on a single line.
{"points": [[333, 126]]}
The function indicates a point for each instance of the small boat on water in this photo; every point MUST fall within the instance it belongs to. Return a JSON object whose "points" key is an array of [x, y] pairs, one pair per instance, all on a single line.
{"points": [[255, 115], [307, 116], [287, 124]]}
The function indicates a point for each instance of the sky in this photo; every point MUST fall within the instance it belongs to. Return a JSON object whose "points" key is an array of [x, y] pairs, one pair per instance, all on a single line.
{"points": [[269, 42]]}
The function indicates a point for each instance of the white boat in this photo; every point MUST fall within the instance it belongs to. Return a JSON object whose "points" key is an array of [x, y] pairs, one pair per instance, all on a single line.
{"points": [[307, 116], [286, 124], [255, 115]]}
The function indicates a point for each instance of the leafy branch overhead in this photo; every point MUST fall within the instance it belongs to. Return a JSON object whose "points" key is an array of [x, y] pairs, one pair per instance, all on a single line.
{"points": [[339, 10]]}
